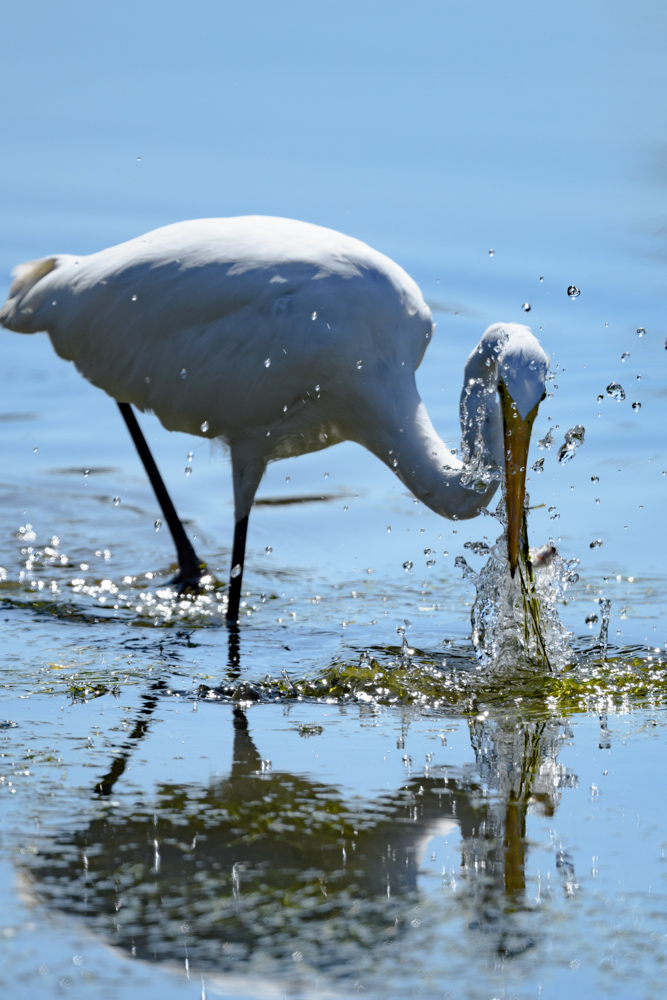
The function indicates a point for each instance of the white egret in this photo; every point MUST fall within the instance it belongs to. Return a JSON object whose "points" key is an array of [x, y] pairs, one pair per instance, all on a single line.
{"points": [[280, 338]]}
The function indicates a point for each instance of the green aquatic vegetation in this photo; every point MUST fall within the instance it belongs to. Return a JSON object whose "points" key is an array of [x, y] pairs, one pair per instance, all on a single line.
{"points": [[408, 677], [87, 692]]}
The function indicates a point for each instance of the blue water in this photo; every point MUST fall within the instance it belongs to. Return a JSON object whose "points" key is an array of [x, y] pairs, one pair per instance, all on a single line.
{"points": [[435, 135]]}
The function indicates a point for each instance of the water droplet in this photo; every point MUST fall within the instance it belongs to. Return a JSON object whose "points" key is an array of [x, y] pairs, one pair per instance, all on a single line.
{"points": [[574, 438], [54, 303], [639, 378], [430, 563], [491, 253], [595, 479], [591, 620], [268, 550], [147, 380], [641, 332], [360, 364], [34, 449], [236, 571], [600, 398], [636, 406], [407, 565], [183, 373], [388, 529], [314, 316], [573, 292], [116, 501], [157, 524], [616, 390], [526, 307], [204, 426], [541, 277], [134, 298], [596, 544], [547, 441], [188, 470], [477, 548], [267, 363], [394, 463], [138, 159], [326, 475], [287, 479], [624, 355], [285, 408], [597, 500], [538, 466]]}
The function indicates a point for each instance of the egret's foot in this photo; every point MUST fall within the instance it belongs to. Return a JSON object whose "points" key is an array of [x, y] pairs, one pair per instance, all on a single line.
{"points": [[191, 580]]}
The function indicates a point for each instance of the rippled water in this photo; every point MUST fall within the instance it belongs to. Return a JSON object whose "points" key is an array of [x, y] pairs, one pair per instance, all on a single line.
{"points": [[343, 796]]}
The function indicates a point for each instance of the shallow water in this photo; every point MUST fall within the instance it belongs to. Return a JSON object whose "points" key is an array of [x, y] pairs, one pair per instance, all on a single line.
{"points": [[339, 799]]}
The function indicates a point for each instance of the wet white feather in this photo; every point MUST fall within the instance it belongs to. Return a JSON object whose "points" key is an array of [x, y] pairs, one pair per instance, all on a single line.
{"points": [[278, 337]]}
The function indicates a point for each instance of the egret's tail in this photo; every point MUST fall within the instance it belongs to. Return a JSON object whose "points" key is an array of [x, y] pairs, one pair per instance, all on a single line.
{"points": [[17, 314]]}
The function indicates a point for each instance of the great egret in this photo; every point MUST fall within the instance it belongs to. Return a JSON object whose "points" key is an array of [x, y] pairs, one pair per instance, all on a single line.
{"points": [[280, 338]]}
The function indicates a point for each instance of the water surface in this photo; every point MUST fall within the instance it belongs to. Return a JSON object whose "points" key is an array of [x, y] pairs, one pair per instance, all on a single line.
{"points": [[339, 800]]}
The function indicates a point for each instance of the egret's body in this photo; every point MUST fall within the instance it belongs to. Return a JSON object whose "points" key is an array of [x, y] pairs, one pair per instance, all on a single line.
{"points": [[280, 338]]}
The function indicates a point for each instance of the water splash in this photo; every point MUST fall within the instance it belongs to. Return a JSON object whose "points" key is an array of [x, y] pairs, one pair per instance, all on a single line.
{"points": [[479, 469], [605, 611], [515, 621]]}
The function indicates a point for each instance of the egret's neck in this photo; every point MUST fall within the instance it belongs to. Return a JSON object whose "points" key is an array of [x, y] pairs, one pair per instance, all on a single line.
{"points": [[408, 443]]}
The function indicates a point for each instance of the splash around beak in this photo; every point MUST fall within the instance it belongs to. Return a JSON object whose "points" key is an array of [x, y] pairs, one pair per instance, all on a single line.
{"points": [[516, 439]]}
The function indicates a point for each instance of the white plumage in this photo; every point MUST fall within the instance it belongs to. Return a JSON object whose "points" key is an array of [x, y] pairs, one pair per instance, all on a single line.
{"points": [[279, 337]]}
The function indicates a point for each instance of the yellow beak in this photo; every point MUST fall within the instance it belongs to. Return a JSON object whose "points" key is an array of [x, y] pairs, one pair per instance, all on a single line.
{"points": [[516, 438]]}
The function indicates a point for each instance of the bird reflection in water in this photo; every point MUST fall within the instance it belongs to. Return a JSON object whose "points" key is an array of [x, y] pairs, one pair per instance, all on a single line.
{"points": [[274, 874]]}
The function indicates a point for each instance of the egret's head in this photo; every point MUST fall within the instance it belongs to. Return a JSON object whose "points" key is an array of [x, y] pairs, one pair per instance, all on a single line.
{"points": [[522, 372]]}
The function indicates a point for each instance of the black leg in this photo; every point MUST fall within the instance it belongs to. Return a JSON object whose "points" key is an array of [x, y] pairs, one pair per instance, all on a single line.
{"points": [[190, 567], [236, 575]]}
